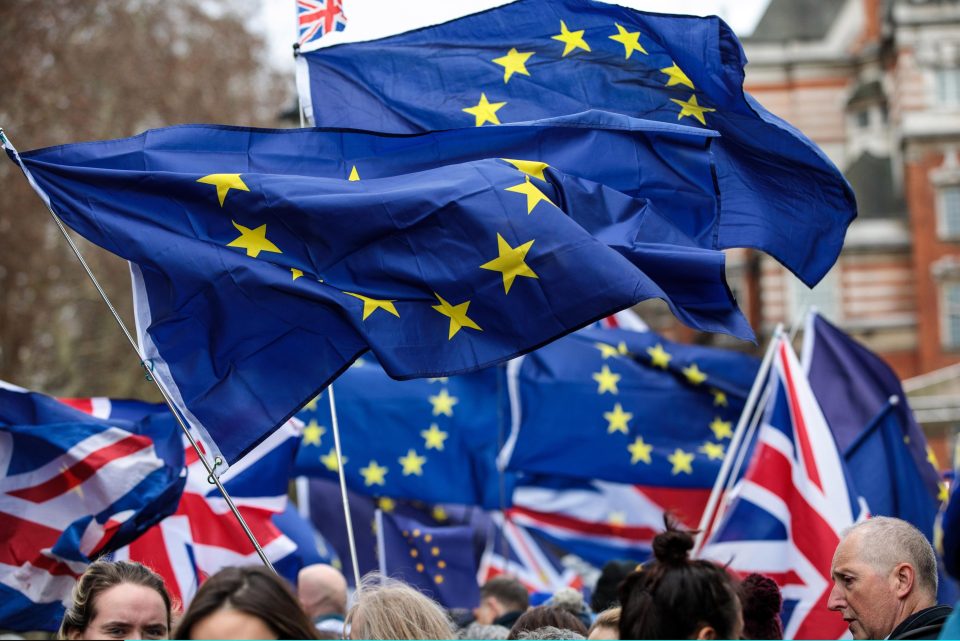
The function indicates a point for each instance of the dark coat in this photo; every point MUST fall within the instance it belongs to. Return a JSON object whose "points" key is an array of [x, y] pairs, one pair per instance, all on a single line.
{"points": [[925, 624]]}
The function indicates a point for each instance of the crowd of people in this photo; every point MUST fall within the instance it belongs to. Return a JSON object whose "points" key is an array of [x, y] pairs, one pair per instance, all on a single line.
{"points": [[884, 570]]}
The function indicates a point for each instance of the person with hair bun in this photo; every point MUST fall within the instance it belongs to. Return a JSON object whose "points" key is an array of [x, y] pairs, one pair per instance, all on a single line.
{"points": [[676, 597]]}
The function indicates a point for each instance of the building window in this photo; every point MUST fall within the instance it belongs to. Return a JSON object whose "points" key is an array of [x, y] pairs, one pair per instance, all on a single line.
{"points": [[825, 297], [948, 86], [948, 214], [950, 314]]}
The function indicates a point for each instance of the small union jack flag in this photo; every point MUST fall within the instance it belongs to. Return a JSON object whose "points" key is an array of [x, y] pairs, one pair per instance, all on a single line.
{"points": [[317, 18]]}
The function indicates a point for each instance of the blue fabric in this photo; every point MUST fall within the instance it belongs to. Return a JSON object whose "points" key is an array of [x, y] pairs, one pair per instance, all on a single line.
{"points": [[780, 192], [248, 333], [298, 530]]}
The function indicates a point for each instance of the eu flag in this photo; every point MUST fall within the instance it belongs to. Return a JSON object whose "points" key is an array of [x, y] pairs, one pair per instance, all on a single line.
{"points": [[626, 406], [258, 278], [433, 440], [531, 59]]}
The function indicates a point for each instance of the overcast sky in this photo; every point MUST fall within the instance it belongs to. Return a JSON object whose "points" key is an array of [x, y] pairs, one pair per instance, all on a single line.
{"points": [[368, 19]]}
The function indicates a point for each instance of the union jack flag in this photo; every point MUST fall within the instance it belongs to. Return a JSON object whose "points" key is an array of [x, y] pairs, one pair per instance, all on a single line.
{"points": [[316, 18], [788, 511]]}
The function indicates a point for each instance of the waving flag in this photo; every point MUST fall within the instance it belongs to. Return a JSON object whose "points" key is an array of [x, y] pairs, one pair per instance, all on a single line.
{"points": [[440, 271], [72, 488], [530, 59], [791, 506], [317, 18]]}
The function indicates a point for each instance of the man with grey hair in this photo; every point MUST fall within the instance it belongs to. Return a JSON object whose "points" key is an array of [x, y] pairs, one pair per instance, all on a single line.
{"points": [[322, 591], [885, 582]]}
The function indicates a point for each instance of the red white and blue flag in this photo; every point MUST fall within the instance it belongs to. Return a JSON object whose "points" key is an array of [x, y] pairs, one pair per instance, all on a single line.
{"points": [[788, 511], [317, 18]]}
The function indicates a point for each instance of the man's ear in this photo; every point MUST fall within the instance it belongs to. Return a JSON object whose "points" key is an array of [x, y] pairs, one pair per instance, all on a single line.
{"points": [[706, 632], [905, 579]]}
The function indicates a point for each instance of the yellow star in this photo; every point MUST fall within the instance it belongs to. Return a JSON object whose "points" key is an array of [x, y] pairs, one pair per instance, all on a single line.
{"points": [[677, 77], [438, 579], [412, 463], [692, 108], [630, 41], [617, 519], [571, 39], [659, 356], [434, 437], [297, 273], [370, 305], [714, 451], [457, 314], [530, 167], [617, 420], [607, 350], [606, 381], [224, 183], [485, 111], [374, 474], [639, 451], [534, 195], [354, 174], [932, 457], [694, 375], [721, 429], [510, 262], [329, 460], [312, 404], [719, 398], [443, 403], [439, 514], [253, 240], [386, 504], [313, 432], [681, 462], [944, 493], [514, 62]]}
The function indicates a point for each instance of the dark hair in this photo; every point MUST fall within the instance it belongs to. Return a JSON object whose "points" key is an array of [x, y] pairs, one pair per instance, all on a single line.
{"points": [[674, 597], [761, 601], [546, 615], [606, 593], [507, 591], [253, 590], [99, 577]]}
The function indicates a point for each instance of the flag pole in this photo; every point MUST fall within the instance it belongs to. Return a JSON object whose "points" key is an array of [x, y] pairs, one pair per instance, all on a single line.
{"points": [[213, 478], [343, 487], [709, 513]]}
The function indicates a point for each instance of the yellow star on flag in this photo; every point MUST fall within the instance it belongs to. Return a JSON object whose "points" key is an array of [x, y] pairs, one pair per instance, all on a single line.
{"points": [[514, 62], [694, 375], [629, 39], [677, 77], [571, 39], [354, 174], [944, 493], [533, 194], [297, 273], [312, 403], [224, 183], [714, 451], [443, 403], [532, 168], [374, 474], [313, 432], [719, 398], [510, 262], [692, 108], [434, 437], [253, 240], [457, 314], [485, 111], [659, 356], [386, 504], [412, 463], [606, 381], [607, 350], [639, 451], [329, 460], [370, 305], [721, 429], [617, 420], [932, 457], [681, 462], [439, 514]]}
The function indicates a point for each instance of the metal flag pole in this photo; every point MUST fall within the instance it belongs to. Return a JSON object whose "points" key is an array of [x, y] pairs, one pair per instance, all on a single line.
{"points": [[5, 142], [343, 487], [738, 437]]}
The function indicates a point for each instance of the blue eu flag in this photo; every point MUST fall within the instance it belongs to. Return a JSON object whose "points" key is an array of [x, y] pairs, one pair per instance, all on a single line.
{"points": [[259, 278], [626, 406], [433, 440], [532, 59]]}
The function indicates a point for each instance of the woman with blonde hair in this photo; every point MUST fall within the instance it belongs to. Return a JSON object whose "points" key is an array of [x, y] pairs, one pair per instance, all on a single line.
{"points": [[385, 608]]}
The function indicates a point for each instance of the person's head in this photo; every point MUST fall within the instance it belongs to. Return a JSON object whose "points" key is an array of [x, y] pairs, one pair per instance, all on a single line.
{"points": [[117, 600], [606, 625], [245, 603], [552, 633], [322, 590], [482, 632], [606, 594], [546, 616], [760, 600], [675, 597], [883, 571], [498, 596], [572, 601], [385, 608]]}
